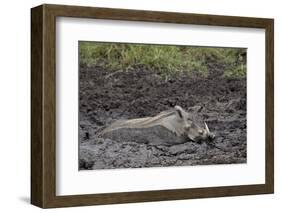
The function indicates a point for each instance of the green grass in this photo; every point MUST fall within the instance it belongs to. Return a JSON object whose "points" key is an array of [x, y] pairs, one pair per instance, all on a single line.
{"points": [[166, 59]]}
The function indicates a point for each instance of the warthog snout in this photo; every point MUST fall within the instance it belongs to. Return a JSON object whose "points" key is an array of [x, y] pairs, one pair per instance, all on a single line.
{"points": [[211, 136]]}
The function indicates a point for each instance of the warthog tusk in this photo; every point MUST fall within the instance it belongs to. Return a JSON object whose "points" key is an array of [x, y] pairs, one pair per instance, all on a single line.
{"points": [[206, 127]]}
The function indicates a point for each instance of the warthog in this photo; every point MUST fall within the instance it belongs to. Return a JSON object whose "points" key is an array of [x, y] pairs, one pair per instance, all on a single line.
{"points": [[168, 127]]}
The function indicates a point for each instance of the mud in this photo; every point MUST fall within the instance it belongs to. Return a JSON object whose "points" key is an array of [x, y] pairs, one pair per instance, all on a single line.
{"points": [[107, 96]]}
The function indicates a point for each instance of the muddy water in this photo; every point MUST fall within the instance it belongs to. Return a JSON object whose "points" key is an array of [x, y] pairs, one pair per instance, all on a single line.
{"points": [[105, 97]]}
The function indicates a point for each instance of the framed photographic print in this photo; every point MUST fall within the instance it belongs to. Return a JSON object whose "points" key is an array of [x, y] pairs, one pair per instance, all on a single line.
{"points": [[136, 106]]}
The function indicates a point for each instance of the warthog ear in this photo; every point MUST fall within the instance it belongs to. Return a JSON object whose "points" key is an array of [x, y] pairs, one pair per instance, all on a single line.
{"points": [[179, 111]]}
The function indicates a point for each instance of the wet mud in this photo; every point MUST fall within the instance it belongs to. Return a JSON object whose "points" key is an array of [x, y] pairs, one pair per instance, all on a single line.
{"points": [[105, 97]]}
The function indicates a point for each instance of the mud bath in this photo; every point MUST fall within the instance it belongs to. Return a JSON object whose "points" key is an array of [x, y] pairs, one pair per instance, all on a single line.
{"points": [[107, 96]]}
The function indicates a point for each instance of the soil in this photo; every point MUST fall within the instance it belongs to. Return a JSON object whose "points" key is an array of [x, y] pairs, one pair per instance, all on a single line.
{"points": [[108, 96]]}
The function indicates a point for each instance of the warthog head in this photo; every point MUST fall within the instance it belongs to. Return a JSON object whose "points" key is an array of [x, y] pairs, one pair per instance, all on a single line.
{"points": [[186, 126]]}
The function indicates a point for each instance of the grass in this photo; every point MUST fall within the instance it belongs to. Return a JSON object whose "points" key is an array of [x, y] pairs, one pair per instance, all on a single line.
{"points": [[166, 59]]}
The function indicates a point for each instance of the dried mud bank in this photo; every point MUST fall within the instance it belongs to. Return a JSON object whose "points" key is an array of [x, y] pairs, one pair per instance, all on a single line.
{"points": [[105, 97]]}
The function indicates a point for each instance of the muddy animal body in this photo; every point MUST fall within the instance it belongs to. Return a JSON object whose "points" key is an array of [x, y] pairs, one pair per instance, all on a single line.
{"points": [[168, 127]]}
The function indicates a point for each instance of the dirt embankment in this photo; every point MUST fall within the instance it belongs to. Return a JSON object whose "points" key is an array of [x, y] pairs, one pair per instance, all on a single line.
{"points": [[106, 96]]}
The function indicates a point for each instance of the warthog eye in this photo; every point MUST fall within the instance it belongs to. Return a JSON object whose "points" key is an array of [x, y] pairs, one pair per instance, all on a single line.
{"points": [[187, 127]]}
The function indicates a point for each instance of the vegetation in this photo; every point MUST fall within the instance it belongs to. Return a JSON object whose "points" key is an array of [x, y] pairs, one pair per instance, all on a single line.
{"points": [[166, 59]]}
